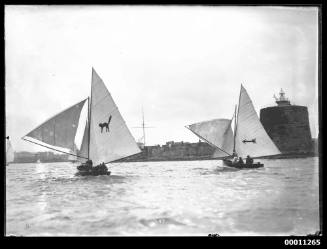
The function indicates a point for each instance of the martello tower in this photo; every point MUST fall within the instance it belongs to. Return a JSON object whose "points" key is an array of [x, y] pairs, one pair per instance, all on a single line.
{"points": [[287, 125]]}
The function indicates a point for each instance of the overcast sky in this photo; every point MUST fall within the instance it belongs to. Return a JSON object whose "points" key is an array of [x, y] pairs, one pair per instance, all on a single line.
{"points": [[183, 64]]}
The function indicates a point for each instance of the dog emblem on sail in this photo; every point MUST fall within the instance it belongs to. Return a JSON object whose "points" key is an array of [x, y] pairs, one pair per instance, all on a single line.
{"points": [[250, 141], [105, 124]]}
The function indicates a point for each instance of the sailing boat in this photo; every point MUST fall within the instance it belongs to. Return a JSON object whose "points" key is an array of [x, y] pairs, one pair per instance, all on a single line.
{"points": [[139, 142], [106, 137], [9, 153], [249, 136]]}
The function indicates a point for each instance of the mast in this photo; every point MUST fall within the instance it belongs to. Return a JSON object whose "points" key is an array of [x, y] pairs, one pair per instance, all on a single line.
{"points": [[89, 102], [236, 118], [143, 126], [88, 128], [234, 129]]}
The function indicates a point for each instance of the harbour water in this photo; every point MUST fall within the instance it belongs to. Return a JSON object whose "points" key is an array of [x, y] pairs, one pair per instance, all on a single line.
{"points": [[164, 198]]}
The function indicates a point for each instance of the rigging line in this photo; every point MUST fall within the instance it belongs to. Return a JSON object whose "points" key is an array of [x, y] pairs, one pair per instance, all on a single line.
{"points": [[236, 117], [115, 165], [208, 141], [122, 158], [234, 135], [88, 128], [89, 117], [52, 148]]}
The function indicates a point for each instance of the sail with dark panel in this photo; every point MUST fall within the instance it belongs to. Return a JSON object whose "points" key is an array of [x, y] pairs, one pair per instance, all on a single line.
{"points": [[60, 130]]}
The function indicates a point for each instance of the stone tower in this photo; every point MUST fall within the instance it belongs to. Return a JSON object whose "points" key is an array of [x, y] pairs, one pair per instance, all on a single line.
{"points": [[287, 125]]}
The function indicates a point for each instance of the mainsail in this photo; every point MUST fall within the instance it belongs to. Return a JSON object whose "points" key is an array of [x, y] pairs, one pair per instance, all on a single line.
{"points": [[217, 132], [110, 139], [251, 137], [60, 130], [9, 153]]}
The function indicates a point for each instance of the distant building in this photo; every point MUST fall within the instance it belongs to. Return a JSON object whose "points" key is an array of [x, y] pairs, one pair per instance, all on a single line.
{"points": [[288, 126], [174, 151], [46, 157]]}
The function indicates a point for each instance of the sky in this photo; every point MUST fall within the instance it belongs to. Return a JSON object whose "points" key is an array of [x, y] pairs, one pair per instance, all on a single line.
{"points": [[181, 64]]}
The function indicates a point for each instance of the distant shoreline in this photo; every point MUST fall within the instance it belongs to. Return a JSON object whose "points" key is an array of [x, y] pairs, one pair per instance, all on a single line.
{"points": [[281, 156], [286, 156]]}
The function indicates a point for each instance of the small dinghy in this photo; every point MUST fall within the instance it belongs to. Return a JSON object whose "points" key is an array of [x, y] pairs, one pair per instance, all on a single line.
{"points": [[248, 138], [86, 170], [238, 165], [106, 137]]}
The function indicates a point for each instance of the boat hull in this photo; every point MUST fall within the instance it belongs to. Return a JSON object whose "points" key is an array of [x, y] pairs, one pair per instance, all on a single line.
{"points": [[92, 173], [84, 170], [229, 163]]}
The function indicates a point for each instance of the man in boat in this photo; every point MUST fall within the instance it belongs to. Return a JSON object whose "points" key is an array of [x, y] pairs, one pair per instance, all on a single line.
{"points": [[249, 160], [104, 167], [86, 166], [235, 160], [240, 160], [101, 167]]}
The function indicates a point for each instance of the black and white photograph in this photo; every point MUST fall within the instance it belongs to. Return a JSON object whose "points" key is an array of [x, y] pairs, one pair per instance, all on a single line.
{"points": [[162, 120]]}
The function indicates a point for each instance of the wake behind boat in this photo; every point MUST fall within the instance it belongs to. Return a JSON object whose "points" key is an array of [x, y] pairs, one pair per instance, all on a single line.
{"points": [[249, 136], [106, 136]]}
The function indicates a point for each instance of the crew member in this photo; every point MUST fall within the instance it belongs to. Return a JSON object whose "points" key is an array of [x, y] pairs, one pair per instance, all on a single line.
{"points": [[249, 160]]}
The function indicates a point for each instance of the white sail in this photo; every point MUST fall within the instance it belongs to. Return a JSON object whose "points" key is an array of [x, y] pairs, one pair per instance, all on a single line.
{"points": [[60, 130], [249, 129], [9, 153], [83, 152], [227, 144], [217, 132], [114, 140]]}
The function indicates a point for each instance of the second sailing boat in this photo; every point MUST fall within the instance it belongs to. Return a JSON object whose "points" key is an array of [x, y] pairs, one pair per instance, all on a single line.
{"points": [[10, 154], [248, 139], [106, 136]]}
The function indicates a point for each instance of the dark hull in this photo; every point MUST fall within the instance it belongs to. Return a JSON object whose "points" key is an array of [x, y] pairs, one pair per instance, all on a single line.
{"points": [[85, 170], [229, 163], [92, 173]]}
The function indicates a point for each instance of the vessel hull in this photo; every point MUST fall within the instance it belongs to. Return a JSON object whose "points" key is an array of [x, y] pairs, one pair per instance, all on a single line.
{"points": [[229, 163], [92, 173]]}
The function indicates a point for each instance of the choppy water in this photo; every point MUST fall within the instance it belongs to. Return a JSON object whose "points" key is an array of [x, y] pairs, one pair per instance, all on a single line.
{"points": [[164, 198]]}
